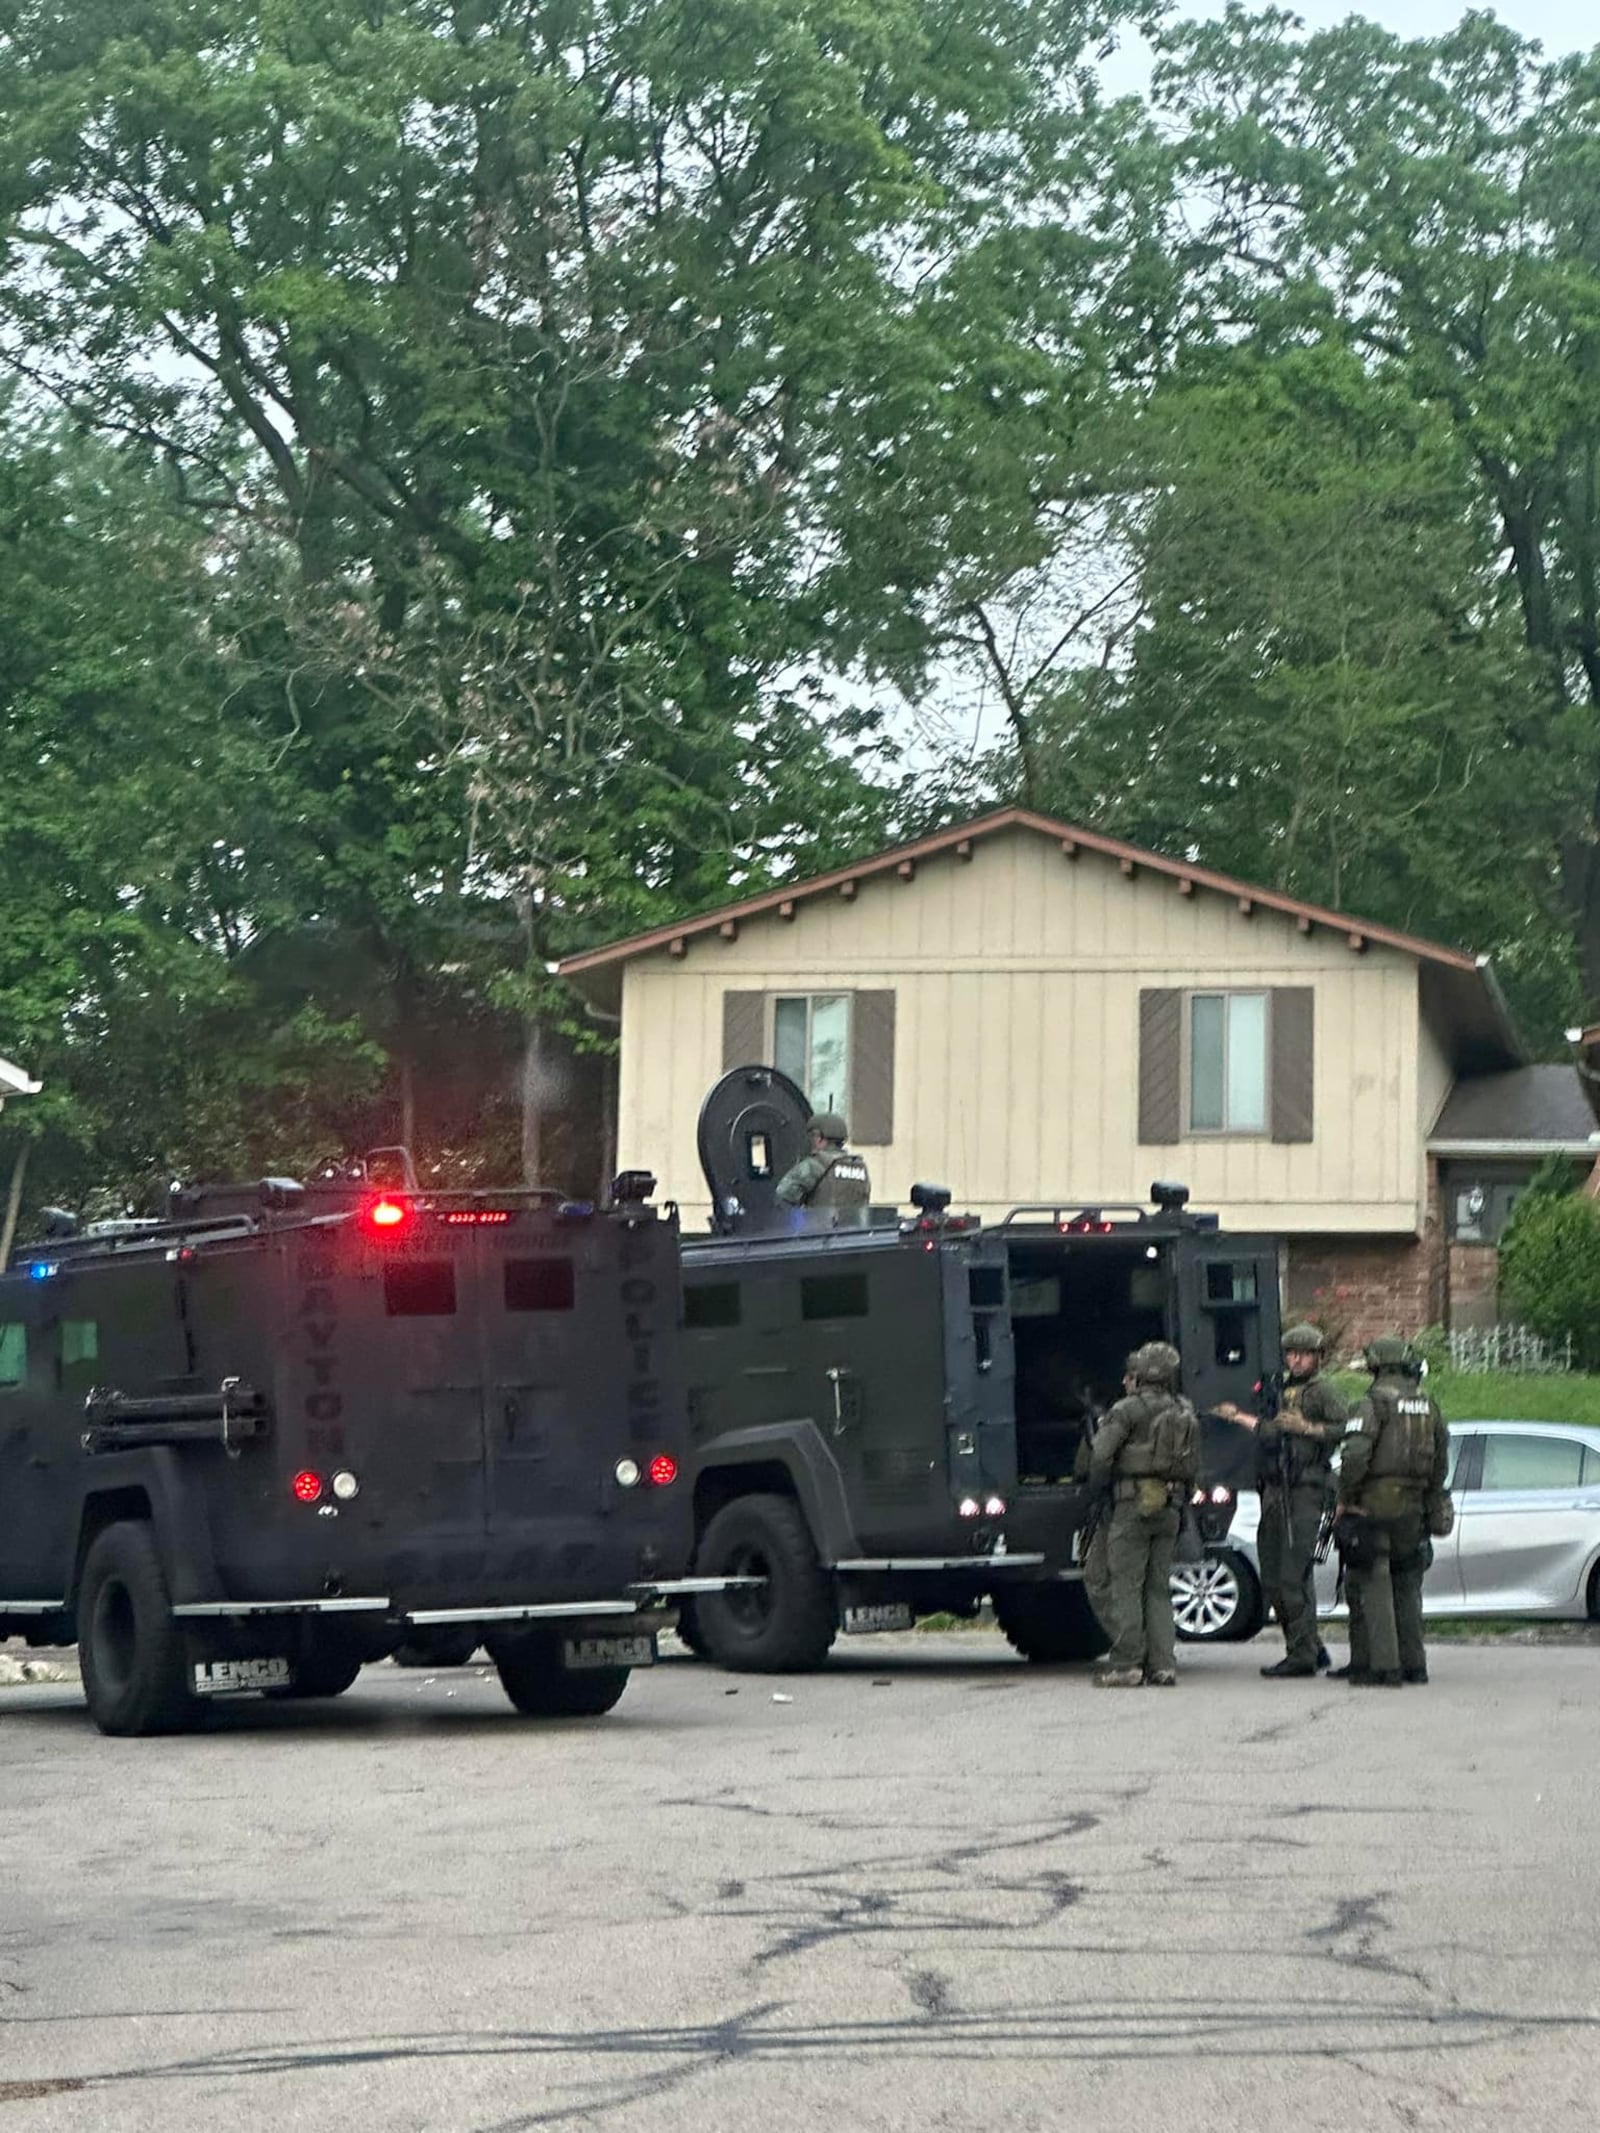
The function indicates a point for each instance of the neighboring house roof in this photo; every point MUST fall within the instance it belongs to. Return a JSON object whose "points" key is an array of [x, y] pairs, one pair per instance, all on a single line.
{"points": [[1460, 988], [1532, 1110], [14, 1082]]}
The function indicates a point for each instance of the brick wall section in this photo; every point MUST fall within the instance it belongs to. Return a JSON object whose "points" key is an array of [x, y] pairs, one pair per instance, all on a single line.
{"points": [[1474, 1285], [1358, 1288]]}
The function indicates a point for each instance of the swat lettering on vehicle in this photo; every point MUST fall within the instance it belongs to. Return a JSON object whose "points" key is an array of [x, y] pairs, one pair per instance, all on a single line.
{"points": [[240, 1677], [892, 1419], [334, 1420]]}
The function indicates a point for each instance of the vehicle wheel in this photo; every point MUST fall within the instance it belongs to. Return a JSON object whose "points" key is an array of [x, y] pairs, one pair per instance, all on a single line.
{"points": [[319, 1672], [135, 1667], [538, 1684], [1217, 1600], [786, 1624], [437, 1647], [1594, 1594], [1049, 1624]]}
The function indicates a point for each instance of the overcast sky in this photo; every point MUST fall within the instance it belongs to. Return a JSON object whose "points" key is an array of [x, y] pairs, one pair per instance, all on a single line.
{"points": [[1559, 25]]}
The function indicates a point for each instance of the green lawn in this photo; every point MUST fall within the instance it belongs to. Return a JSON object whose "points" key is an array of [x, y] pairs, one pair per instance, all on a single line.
{"points": [[1504, 1396]]}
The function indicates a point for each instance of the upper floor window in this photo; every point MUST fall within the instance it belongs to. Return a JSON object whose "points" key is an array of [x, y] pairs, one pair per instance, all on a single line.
{"points": [[811, 1044], [1228, 1062]]}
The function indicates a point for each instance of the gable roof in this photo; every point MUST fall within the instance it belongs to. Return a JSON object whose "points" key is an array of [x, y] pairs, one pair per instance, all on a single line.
{"points": [[1464, 983]]}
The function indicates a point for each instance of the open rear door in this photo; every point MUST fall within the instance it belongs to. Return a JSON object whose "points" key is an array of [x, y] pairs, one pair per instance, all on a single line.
{"points": [[1228, 1332]]}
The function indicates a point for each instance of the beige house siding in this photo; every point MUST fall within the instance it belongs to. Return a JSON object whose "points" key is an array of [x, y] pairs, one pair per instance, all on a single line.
{"points": [[1017, 976]]}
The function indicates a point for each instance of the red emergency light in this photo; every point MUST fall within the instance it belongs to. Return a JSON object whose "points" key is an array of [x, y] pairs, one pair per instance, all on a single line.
{"points": [[387, 1215]]}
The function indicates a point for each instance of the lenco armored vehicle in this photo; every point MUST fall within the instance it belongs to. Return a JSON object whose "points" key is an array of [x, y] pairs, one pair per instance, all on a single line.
{"points": [[887, 1417], [271, 1437]]}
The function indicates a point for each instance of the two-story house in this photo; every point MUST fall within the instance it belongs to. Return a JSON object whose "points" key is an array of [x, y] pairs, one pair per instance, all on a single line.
{"points": [[1029, 1011]]}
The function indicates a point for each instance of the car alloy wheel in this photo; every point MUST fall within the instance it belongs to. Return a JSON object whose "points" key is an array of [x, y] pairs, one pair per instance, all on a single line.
{"points": [[1207, 1598]]}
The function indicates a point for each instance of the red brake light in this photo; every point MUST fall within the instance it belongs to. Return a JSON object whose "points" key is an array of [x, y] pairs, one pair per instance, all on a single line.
{"points": [[387, 1216], [307, 1487], [476, 1217], [663, 1469]]}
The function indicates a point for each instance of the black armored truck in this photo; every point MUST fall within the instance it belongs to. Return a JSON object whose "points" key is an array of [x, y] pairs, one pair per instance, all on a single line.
{"points": [[888, 1413], [285, 1429]]}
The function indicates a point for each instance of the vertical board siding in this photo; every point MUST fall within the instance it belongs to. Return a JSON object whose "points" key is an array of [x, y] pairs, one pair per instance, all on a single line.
{"points": [[1019, 983]]}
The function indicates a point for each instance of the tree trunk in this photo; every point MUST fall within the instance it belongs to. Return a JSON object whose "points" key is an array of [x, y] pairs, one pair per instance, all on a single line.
{"points": [[609, 1070], [8, 1230], [533, 1098], [408, 1103]]}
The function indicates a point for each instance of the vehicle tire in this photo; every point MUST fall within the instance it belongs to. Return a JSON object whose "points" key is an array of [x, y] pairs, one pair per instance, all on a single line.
{"points": [[1217, 1600], [437, 1647], [324, 1671], [538, 1684], [1594, 1594], [1051, 1624], [135, 1666], [785, 1625]]}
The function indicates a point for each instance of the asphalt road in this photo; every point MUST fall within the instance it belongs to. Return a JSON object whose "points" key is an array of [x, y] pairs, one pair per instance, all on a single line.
{"points": [[936, 1890]]}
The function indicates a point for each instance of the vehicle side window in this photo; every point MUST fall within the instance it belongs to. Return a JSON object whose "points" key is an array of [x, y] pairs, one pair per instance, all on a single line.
{"points": [[712, 1303], [80, 1342], [1591, 1467], [833, 1296], [13, 1355], [1531, 1462]]}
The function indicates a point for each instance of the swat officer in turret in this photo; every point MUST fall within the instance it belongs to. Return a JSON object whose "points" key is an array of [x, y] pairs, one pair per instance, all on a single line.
{"points": [[1148, 1450], [1294, 1473], [1392, 1499], [832, 1178]]}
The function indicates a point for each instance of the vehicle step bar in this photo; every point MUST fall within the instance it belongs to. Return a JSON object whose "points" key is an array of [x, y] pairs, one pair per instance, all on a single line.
{"points": [[940, 1562]]}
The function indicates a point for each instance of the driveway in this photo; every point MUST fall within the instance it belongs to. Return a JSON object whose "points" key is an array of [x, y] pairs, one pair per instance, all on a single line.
{"points": [[931, 1888]]}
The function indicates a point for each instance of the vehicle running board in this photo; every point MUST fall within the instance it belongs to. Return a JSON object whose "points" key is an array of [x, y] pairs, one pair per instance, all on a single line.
{"points": [[941, 1562]]}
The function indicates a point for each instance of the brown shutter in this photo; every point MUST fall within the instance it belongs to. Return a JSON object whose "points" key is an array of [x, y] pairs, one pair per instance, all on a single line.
{"points": [[872, 1068], [744, 1029], [1160, 1064], [1293, 1026]]}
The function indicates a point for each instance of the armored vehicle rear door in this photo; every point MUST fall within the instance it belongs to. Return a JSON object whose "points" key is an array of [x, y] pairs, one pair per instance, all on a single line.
{"points": [[582, 1369], [385, 1371], [1226, 1323], [752, 1129]]}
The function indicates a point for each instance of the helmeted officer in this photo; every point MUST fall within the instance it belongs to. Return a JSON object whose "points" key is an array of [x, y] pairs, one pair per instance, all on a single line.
{"points": [[1294, 1474], [1148, 1449], [1392, 1495], [831, 1177]]}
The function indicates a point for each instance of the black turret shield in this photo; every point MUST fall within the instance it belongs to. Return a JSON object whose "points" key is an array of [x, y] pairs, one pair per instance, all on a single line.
{"points": [[752, 1129]]}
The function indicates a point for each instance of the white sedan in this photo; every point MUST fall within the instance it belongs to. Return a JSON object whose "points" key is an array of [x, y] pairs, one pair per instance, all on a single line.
{"points": [[1526, 1539]]}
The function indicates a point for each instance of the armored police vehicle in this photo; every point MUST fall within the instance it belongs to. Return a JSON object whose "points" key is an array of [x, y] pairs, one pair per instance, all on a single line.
{"points": [[888, 1417], [262, 1441]]}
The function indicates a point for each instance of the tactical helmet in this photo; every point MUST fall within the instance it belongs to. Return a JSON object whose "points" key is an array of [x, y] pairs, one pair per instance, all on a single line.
{"points": [[1303, 1339], [1156, 1363], [1392, 1353], [830, 1126]]}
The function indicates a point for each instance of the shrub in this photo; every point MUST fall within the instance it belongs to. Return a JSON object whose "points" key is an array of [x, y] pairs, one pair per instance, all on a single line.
{"points": [[1550, 1270]]}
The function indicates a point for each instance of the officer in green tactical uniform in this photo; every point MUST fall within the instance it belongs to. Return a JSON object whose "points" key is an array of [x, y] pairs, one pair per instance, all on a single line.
{"points": [[1294, 1451], [831, 1177], [1392, 1500], [1148, 1450]]}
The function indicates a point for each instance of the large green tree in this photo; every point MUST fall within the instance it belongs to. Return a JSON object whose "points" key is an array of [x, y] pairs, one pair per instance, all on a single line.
{"points": [[519, 352], [1434, 208]]}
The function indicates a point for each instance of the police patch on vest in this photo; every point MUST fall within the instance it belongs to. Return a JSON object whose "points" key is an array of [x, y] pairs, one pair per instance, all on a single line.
{"points": [[1415, 1407], [851, 1167]]}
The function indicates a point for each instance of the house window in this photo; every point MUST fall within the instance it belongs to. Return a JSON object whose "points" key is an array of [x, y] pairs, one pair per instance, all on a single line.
{"points": [[1228, 1062], [811, 1044], [1480, 1207]]}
